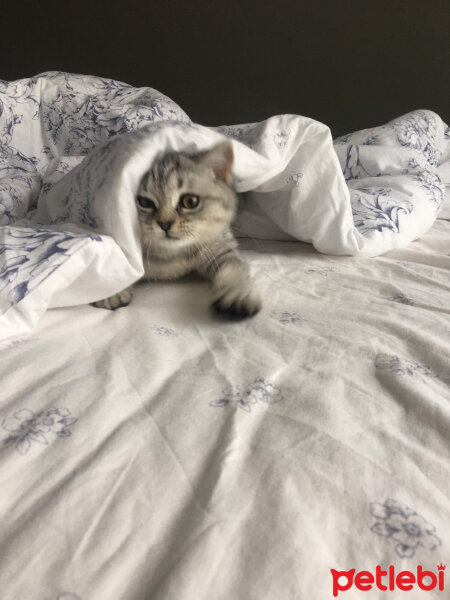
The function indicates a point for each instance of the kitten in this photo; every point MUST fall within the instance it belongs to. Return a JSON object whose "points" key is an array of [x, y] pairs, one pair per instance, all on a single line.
{"points": [[186, 205]]}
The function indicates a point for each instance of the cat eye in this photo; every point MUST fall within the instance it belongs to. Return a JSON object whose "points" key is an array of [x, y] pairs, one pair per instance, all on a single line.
{"points": [[189, 201], [145, 202]]}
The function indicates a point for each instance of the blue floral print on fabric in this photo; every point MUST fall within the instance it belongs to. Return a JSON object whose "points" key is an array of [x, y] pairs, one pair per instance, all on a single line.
{"points": [[432, 186], [286, 317], [281, 138], [354, 167], [401, 366], [416, 133], [295, 179], [322, 271], [85, 112], [245, 396], [402, 299], [402, 525], [29, 256], [164, 331], [26, 427], [375, 210]]}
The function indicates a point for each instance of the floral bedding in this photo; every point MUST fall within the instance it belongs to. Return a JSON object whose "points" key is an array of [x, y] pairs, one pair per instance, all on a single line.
{"points": [[156, 453], [73, 149]]}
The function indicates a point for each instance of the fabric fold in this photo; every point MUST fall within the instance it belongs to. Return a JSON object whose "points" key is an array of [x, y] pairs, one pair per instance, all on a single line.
{"points": [[74, 148]]}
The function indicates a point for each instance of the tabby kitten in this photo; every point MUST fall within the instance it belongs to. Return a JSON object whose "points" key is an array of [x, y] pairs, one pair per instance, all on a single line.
{"points": [[186, 205]]}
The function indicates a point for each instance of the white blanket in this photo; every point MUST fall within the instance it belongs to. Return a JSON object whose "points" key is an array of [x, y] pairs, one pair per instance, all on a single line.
{"points": [[154, 453], [69, 230]]}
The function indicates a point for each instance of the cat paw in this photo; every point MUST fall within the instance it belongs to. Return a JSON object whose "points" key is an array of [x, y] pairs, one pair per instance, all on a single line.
{"points": [[123, 298], [236, 304]]}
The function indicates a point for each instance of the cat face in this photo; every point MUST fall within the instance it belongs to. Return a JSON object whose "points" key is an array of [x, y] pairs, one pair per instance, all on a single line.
{"points": [[186, 200]]}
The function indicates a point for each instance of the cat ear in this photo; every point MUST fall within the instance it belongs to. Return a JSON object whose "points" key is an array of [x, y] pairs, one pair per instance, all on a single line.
{"points": [[220, 159]]}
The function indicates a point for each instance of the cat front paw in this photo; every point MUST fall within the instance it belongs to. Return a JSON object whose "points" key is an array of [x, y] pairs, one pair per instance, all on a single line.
{"points": [[238, 304], [123, 298]]}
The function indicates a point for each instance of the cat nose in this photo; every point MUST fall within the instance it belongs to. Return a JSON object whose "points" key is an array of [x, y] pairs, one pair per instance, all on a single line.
{"points": [[165, 225]]}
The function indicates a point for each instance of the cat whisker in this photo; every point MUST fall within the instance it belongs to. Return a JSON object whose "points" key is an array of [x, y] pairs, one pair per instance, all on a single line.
{"points": [[202, 247], [184, 231]]}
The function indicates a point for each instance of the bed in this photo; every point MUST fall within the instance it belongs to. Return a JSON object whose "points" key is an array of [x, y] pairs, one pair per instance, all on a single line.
{"points": [[156, 452]]}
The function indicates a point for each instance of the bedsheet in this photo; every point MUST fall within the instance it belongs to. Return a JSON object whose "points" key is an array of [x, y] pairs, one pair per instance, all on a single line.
{"points": [[157, 453], [74, 148]]}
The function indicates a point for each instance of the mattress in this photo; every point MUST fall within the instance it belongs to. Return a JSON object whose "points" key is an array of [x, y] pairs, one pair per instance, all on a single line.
{"points": [[155, 452]]}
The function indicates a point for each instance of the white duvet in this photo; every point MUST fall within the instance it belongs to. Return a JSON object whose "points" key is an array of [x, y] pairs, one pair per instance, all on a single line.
{"points": [[73, 149], [154, 453]]}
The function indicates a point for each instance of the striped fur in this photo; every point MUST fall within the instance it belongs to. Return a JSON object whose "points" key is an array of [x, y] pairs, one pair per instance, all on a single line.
{"points": [[177, 240]]}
